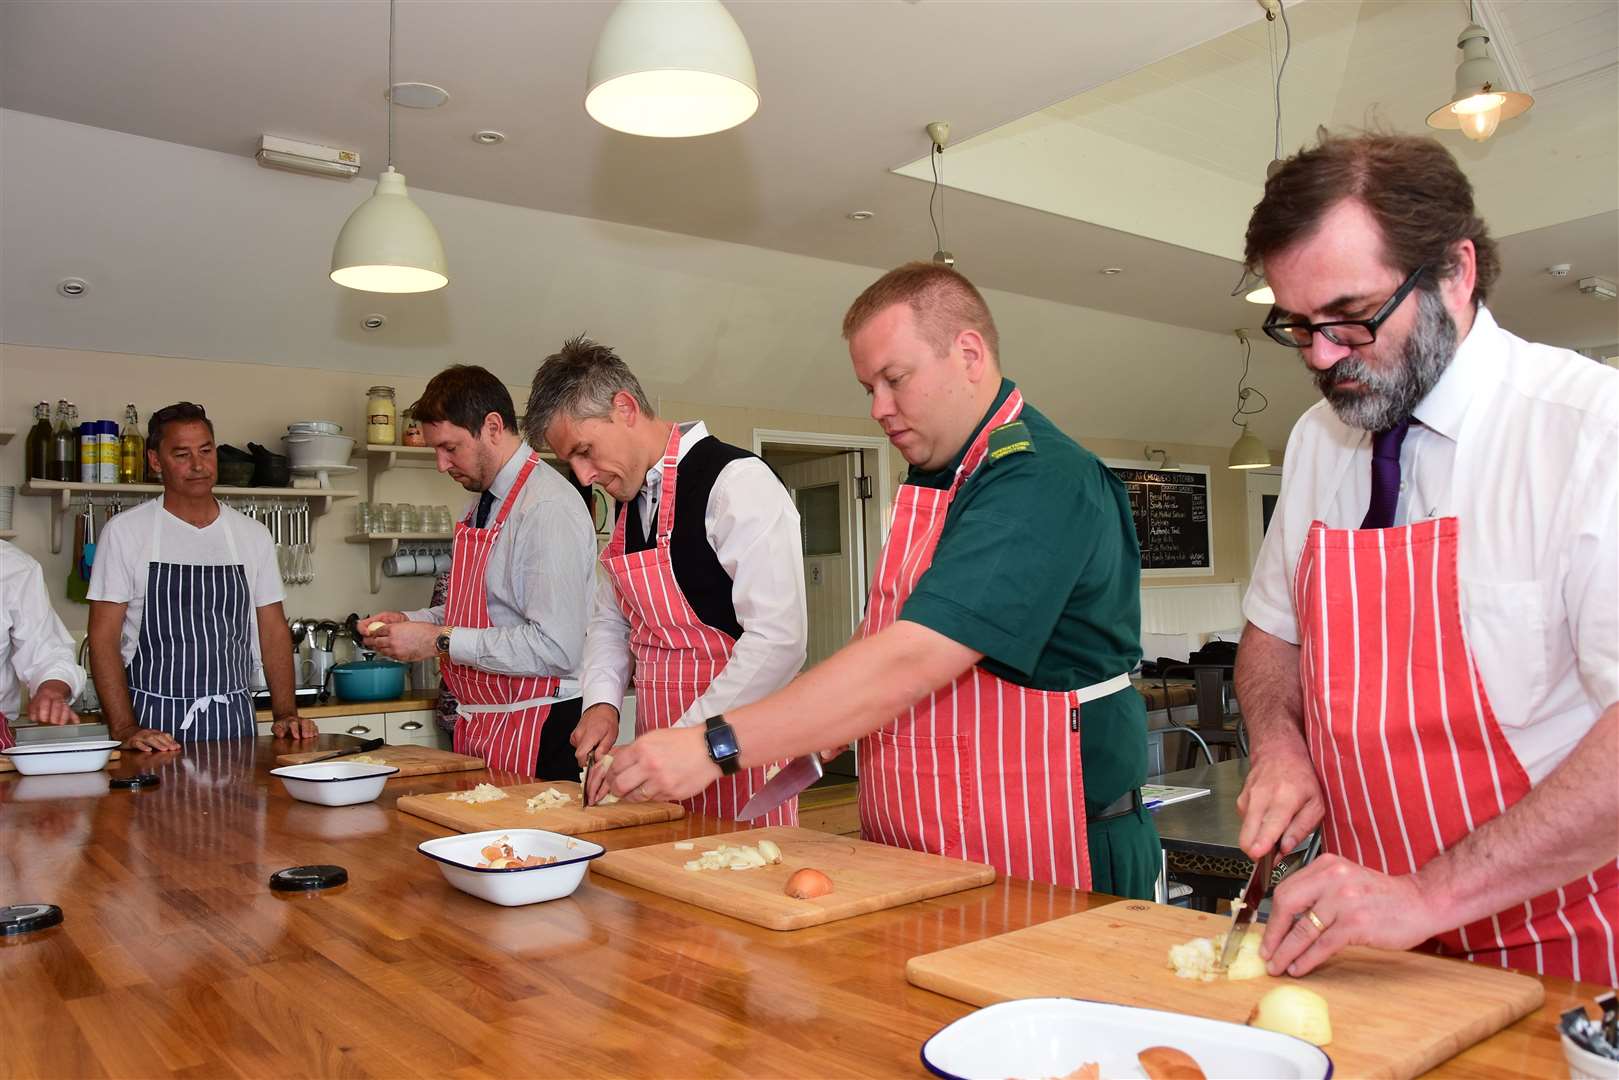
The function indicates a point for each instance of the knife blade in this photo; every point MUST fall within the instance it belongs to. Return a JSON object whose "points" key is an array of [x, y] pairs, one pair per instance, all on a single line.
{"points": [[797, 775], [364, 748], [1244, 910], [584, 779]]}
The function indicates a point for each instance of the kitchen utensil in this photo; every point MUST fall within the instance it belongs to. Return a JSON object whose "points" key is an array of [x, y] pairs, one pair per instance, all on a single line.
{"points": [[46, 758], [369, 680], [1246, 907], [865, 877], [334, 783], [794, 777], [1394, 1014], [458, 858], [365, 747], [512, 812], [584, 779], [321, 427], [314, 449], [28, 733], [410, 760], [1055, 1036]]}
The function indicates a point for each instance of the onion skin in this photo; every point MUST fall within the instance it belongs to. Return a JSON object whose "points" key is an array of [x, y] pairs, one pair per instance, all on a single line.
{"points": [[808, 883], [1168, 1063]]}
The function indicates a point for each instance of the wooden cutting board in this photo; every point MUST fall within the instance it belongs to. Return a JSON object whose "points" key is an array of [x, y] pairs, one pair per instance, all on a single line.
{"points": [[865, 877], [512, 811], [6, 766], [1393, 1014], [411, 760]]}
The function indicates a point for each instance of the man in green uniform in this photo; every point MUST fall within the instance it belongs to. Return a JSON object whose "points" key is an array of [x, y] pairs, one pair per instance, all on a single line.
{"points": [[988, 685]]}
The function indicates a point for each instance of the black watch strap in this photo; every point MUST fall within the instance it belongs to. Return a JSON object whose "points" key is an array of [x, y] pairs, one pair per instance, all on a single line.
{"points": [[722, 746]]}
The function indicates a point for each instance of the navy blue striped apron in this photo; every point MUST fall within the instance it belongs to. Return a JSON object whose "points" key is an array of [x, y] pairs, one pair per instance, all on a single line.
{"points": [[189, 675]]}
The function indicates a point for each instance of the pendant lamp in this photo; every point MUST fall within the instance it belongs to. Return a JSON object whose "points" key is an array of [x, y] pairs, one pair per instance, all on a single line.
{"points": [[671, 69], [1253, 287], [1479, 101], [388, 245], [1247, 452]]}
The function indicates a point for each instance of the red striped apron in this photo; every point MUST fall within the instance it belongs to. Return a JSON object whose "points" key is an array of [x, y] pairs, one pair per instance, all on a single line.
{"points": [[1406, 746], [983, 769], [500, 715], [7, 739], [677, 655]]}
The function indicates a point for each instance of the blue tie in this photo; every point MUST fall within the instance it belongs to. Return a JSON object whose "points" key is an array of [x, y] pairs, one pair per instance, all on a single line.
{"points": [[1385, 476], [487, 499]]}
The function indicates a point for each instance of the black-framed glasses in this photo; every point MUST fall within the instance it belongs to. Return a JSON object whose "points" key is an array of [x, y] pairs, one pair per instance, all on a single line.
{"points": [[1348, 332]]}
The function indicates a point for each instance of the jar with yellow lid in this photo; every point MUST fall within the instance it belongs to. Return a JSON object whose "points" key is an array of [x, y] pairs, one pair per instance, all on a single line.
{"points": [[381, 416]]}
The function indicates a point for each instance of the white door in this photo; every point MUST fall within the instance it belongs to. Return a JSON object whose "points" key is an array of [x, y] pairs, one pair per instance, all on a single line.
{"points": [[1264, 486], [823, 490]]}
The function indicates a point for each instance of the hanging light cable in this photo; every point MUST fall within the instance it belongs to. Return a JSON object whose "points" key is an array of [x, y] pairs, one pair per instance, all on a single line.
{"points": [[1479, 100], [388, 245], [1247, 452], [1252, 287], [938, 135]]}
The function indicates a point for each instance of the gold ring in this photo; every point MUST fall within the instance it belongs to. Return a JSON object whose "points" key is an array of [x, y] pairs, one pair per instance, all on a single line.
{"points": [[1315, 921]]}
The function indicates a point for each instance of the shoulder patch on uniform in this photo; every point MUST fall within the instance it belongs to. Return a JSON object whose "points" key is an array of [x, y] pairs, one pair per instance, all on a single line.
{"points": [[1010, 438]]}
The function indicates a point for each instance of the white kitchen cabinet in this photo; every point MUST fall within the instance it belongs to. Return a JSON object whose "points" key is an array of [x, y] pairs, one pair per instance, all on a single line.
{"points": [[364, 726], [415, 728]]}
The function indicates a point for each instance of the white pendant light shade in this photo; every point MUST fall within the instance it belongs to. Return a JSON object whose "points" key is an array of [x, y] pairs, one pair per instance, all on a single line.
{"points": [[671, 69], [388, 245], [1261, 295], [1248, 452], [1478, 102]]}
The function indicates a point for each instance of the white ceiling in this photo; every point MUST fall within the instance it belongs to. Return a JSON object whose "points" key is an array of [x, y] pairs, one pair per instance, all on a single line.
{"points": [[846, 86]]}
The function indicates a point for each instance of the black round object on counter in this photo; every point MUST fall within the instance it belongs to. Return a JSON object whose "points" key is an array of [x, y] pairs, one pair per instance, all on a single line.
{"points": [[27, 918], [136, 781], [308, 878]]}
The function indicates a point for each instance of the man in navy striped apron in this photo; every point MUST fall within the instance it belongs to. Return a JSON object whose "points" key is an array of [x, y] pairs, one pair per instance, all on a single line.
{"points": [[178, 588]]}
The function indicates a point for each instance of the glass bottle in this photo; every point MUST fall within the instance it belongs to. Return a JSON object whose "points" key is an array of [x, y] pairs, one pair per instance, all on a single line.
{"points": [[131, 448], [39, 443], [381, 416], [64, 463]]}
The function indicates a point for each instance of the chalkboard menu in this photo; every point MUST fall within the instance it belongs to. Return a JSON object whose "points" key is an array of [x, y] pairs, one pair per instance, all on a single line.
{"points": [[1171, 511]]}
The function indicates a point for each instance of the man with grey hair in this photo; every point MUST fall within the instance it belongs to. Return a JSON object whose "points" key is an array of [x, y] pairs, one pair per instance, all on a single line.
{"points": [[703, 597]]}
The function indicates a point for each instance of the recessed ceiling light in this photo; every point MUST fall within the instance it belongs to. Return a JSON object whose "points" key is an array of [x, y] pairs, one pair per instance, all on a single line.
{"points": [[73, 287], [374, 322], [861, 215], [489, 138], [418, 95], [1109, 271]]}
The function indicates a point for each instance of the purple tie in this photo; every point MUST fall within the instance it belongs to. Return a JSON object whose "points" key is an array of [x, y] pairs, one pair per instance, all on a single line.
{"points": [[1385, 476]]}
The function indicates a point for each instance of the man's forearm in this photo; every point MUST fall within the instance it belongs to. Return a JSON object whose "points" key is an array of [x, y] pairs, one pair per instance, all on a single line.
{"points": [[275, 649], [1565, 827], [1269, 691], [852, 693], [112, 689]]}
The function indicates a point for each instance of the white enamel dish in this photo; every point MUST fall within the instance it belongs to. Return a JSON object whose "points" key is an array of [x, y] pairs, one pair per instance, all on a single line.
{"points": [[1045, 1037], [334, 783], [43, 759], [458, 858]]}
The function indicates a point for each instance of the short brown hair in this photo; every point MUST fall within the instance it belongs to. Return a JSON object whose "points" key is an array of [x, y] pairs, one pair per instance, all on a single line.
{"points": [[181, 412], [579, 380], [1415, 191], [943, 301], [463, 395]]}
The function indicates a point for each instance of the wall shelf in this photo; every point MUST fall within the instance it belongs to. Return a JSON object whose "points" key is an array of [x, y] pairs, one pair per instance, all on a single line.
{"points": [[7, 434], [8, 534], [382, 545], [62, 493]]}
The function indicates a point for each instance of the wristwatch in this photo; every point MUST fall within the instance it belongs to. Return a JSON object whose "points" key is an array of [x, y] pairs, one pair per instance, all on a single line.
{"points": [[722, 747], [442, 642]]}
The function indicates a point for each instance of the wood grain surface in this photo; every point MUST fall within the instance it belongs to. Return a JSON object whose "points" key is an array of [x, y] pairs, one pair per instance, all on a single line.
{"points": [[865, 877], [512, 812], [411, 760], [175, 959], [1393, 1014], [6, 766]]}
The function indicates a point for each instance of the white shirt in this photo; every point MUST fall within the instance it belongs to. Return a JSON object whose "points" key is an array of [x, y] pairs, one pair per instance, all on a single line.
{"points": [[119, 574], [34, 645], [752, 525], [1520, 443], [537, 584]]}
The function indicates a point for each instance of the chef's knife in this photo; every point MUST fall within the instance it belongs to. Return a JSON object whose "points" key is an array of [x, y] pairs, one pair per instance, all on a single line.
{"points": [[798, 774], [1246, 907], [364, 748], [584, 779]]}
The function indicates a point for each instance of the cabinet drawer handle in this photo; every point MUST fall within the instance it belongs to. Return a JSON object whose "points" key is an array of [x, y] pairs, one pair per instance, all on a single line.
{"points": [[411, 725], [360, 729]]}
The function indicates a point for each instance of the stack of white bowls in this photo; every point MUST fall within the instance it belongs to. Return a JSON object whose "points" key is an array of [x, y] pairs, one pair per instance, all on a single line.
{"points": [[317, 444], [8, 496]]}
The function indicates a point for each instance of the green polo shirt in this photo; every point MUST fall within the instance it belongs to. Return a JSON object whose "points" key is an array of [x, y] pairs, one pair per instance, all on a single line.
{"points": [[1038, 569]]}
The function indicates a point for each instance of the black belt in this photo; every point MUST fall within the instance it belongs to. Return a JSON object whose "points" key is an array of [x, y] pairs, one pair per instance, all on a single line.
{"points": [[1128, 803]]}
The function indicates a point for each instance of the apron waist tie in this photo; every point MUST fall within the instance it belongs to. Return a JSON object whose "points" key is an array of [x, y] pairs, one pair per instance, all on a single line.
{"points": [[198, 706], [466, 709], [1106, 688]]}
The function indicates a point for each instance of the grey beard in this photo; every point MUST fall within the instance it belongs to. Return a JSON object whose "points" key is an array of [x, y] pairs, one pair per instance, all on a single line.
{"points": [[1387, 397]]}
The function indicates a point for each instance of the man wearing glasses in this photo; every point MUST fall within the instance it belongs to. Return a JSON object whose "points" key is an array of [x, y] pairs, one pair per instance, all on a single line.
{"points": [[1430, 670]]}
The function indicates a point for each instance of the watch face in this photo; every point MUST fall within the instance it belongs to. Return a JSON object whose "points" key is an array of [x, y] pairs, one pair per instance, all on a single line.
{"points": [[721, 742]]}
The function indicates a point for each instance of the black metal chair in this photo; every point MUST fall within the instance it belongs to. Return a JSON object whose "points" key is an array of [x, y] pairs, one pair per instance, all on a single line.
{"points": [[1209, 681]]}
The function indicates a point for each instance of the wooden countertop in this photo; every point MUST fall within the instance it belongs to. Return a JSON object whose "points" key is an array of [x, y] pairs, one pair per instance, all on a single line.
{"points": [[413, 701], [175, 957]]}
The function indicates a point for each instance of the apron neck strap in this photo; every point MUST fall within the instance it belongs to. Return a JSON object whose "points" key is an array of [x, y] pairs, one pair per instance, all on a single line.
{"points": [[508, 500], [1009, 411], [156, 552], [670, 467]]}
